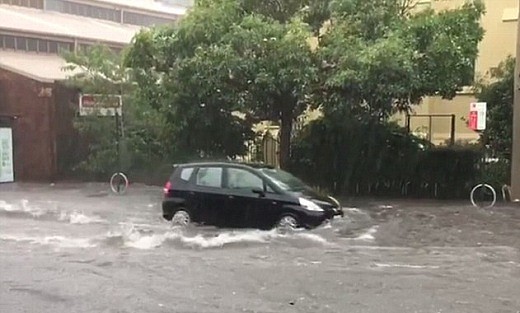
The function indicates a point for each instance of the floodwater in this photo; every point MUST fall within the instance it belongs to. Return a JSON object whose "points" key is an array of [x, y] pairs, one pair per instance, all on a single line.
{"points": [[77, 248]]}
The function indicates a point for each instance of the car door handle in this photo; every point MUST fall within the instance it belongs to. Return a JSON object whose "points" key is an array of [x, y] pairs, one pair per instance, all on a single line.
{"points": [[231, 197]]}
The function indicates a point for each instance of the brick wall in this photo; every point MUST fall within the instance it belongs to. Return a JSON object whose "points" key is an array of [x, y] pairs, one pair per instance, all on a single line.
{"points": [[34, 132], [71, 148]]}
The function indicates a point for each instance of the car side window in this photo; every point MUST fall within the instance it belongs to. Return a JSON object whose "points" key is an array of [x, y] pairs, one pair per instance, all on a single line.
{"points": [[209, 177], [186, 173], [242, 179]]}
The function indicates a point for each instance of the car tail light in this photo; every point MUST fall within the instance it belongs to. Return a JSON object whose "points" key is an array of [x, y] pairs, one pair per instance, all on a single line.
{"points": [[167, 187]]}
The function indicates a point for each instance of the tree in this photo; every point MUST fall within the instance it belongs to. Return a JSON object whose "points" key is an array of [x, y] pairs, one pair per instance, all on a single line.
{"points": [[228, 59], [199, 112], [99, 70], [378, 56], [312, 12], [498, 93]]}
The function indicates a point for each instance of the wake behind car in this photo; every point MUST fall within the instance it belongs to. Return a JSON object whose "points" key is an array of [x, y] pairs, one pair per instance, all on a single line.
{"points": [[243, 196]]}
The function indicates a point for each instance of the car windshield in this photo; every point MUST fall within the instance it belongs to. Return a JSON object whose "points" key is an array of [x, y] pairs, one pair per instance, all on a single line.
{"points": [[284, 180]]}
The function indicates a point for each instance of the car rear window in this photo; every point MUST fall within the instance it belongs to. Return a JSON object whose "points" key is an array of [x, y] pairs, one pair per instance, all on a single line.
{"points": [[186, 173]]}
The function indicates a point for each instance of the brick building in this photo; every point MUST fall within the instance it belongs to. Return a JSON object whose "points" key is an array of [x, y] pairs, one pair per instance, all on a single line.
{"points": [[34, 102]]}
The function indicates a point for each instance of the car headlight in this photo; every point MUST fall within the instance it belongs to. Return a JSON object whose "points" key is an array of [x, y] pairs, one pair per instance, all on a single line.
{"points": [[309, 205]]}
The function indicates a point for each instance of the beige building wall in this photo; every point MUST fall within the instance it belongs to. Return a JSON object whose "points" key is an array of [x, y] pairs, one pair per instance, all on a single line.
{"points": [[499, 41]]}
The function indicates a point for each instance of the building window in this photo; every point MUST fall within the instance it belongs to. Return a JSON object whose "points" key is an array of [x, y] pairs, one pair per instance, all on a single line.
{"points": [[53, 47], [184, 3], [21, 43], [144, 20], [9, 42], [38, 4], [81, 9], [32, 44], [83, 47], [43, 46], [64, 46], [54, 5]]}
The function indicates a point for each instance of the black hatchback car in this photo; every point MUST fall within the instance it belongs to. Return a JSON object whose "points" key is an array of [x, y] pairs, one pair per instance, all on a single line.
{"points": [[243, 195]]}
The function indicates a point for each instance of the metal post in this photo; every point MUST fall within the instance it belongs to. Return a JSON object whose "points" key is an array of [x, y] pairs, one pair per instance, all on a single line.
{"points": [[118, 137], [515, 157], [452, 134], [430, 128], [408, 121]]}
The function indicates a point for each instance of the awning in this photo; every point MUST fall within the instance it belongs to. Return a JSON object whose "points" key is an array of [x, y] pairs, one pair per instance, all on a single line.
{"points": [[41, 67]]}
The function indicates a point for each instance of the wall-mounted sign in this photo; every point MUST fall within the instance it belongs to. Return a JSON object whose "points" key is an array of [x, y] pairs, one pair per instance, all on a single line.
{"points": [[6, 155], [477, 115]]}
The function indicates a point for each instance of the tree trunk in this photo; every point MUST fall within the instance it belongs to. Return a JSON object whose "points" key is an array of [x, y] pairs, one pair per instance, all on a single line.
{"points": [[285, 139]]}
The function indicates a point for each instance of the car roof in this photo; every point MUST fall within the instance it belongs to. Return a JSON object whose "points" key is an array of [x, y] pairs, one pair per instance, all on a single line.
{"points": [[225, 163]]}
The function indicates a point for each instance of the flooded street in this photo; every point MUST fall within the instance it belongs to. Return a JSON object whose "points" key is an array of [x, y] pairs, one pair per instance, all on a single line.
{"points": [[77, 248]]}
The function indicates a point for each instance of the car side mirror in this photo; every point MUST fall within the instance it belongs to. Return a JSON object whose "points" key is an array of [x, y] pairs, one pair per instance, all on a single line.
{"points": [[259, 191]]}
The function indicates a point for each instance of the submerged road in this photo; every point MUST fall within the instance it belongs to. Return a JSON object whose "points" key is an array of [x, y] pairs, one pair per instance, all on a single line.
{"points": [[77, 248]]}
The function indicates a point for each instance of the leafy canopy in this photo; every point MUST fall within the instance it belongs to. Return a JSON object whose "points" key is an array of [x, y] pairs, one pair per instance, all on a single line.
{"points": [[379, 56], [498, 93], [225, 57]]}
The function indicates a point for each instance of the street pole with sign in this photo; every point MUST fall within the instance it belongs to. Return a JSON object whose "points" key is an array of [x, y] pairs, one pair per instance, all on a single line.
{"points": [[108, 105]]}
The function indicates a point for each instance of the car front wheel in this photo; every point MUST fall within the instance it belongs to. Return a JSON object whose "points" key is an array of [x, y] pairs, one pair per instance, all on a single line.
{"points": [[288, 222]]}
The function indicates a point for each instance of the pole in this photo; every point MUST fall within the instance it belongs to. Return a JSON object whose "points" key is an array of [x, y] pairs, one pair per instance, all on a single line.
{"points": [[430, 128], [452, 133], [118, 138], [515, 156]]}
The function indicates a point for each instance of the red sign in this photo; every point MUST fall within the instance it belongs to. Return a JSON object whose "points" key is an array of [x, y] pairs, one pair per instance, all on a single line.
{"points": [[477, 116], [473, 120]]}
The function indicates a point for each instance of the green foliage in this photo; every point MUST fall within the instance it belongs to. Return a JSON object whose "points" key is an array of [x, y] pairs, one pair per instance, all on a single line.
{"points": [[497, 174], [338, 154], [100, 71], [100, 136], [498, 92], [313, 12], [375, 57], [362, 158], [378, 57], [223, 58]]}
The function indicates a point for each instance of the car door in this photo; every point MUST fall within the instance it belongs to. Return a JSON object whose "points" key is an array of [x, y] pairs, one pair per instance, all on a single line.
{"points": [[209, 198], [247, 202]]}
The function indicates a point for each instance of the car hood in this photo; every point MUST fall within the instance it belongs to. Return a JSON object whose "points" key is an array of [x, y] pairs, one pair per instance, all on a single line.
{"points": [[323, 201]]}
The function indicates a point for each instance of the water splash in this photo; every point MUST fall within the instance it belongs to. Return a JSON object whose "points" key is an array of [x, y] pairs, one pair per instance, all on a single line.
{"points": [[132, 237], [56, 241], [79, 218], [50, 212], [368, 235], [23, 208]]}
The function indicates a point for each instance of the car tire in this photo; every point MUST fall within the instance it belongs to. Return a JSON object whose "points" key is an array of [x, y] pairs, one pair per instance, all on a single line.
{"points": [[288, 222], [181, 218]]}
